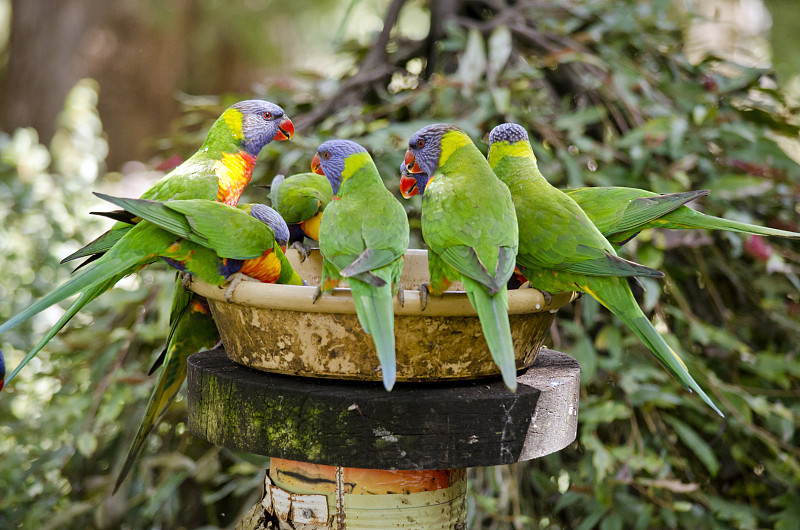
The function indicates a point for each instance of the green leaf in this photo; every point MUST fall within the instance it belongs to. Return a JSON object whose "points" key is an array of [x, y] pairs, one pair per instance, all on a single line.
{"points": [[500, 47], [788, 517], [472, 65], [695, 443], [86, 443], [604, 412], [568, 499], [584, 353], [581, 118], [742, 515], [594, 517]]}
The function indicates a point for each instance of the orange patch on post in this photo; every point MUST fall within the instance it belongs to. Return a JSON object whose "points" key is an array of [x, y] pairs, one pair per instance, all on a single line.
{"points": [[234, 172], [322, 479]]}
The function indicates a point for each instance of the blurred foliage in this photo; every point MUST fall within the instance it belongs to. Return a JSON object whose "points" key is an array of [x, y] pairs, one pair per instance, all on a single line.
{"points": [[608, 98]]}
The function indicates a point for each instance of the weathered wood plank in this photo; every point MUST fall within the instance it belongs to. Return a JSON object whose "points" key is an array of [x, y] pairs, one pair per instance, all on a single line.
{"points": [[359, 424]]}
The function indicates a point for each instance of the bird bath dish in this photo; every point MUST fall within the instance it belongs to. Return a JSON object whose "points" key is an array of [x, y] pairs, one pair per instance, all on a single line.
{"points": [[277, 328]]}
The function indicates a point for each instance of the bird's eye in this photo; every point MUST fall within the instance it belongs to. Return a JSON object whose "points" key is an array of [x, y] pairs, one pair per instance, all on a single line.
{"points": [[267, 115], [420, 143], [326, 155]]}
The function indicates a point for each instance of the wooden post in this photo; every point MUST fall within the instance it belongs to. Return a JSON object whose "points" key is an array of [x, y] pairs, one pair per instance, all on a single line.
{"points": [[424, 434]]}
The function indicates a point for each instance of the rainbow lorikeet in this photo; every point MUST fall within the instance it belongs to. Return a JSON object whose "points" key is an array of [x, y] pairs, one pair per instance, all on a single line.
{"points": [[363, 235], [470, 227], [621, 213], [561, 250], [301, 199], [220, 170], [191, 235], [191, 326]]}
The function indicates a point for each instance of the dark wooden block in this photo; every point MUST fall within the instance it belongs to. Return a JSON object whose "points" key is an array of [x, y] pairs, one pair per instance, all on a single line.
{"points": [[359, 424]]}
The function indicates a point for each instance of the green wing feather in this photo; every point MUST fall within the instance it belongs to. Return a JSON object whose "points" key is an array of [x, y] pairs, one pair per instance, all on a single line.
{"points": [[620, 213], [100, 245], [370, 259], [615, 209], [196, 178], [207, 223]]}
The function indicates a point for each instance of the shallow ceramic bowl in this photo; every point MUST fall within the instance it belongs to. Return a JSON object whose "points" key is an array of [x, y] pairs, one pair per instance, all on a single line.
{"points": [[277, 328]]}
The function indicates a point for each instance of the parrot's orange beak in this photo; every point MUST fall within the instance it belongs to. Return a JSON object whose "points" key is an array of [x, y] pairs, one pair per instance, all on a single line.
{"points": [[316, 167], [408, 187], [285, 130], [411, 159]]}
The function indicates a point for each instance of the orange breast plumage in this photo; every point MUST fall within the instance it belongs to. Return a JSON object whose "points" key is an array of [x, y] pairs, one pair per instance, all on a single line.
{"points": [[265, 269], [311, 226], [234, 172]]}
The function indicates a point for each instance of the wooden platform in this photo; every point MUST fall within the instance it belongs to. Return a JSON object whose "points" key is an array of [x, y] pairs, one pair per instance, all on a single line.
{"points": [[359, 424]]}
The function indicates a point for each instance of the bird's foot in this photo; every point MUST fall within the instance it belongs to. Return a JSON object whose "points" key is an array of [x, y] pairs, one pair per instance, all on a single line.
{"points": [[233, 281], [401, 297], [186, 281], [301, 249], [317, 294], [548, 296], [423, 295]]}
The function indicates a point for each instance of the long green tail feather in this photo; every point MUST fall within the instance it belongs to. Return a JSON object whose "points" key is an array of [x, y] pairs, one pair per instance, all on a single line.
{"points": [[493, 314], [192, 331], [375, 309], [688, 218], [85, 297], [618, 298], [84, 281], [157, 213], [100, 245], [645, 209]]}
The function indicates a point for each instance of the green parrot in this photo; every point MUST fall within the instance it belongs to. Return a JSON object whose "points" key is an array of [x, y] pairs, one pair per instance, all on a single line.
{"points": [[561, 250], [621, 213], [469, 225], [193, 236], [219, 170], [301, 199], [191, 326], [363, 235]]}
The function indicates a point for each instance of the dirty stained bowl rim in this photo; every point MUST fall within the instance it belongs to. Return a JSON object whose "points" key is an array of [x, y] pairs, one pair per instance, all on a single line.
{"points": [[300, 298], [278, 328]]}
